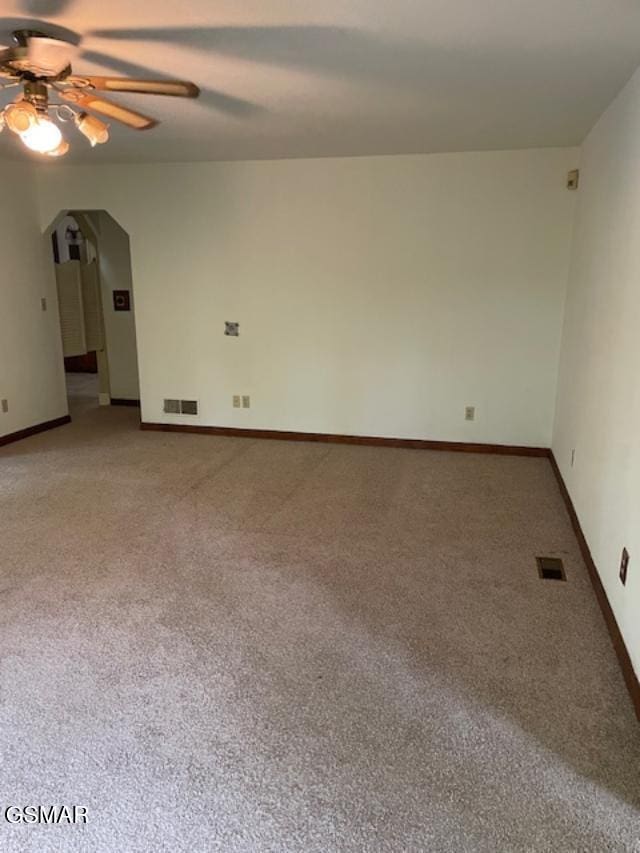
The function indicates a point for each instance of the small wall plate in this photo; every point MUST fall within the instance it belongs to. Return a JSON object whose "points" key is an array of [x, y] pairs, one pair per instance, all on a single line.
{"points": [[624, 566], [121, 300], [231, 329], [573, 179]]}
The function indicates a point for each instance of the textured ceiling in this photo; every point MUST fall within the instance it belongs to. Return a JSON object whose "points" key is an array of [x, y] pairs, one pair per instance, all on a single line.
{"points": [[348, 77]]}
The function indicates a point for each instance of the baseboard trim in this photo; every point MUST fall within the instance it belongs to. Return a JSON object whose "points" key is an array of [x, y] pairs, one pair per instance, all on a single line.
{"points": [[329, 438], [123, 401], [34, 430], [631, 679]]}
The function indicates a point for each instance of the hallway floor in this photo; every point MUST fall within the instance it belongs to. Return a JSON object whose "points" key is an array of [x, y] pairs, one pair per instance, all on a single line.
{"points": [[245, 645], [83, 392]]}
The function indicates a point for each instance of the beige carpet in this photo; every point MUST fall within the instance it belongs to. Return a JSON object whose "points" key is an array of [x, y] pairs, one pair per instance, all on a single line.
{"points": [[221, 644]]}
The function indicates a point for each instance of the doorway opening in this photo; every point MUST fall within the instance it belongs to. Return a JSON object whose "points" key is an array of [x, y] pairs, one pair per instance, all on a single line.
{"points": [[92, 260]]}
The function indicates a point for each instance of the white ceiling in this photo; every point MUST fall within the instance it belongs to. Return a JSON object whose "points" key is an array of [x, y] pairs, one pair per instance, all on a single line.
{"points": [[348, 77]]}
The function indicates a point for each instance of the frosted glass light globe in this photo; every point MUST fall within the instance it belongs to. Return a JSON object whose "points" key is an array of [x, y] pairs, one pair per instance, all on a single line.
{"points": [[60, 151], [20, 116], [43, 136]]}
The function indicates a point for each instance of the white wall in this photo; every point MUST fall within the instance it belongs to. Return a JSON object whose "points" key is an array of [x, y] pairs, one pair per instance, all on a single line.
{"points": [[120, 332], [375, 296], [31, 374], [598, 410]]}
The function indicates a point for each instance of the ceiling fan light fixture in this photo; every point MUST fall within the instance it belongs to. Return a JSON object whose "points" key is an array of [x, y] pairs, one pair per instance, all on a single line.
{"points": [[43, 136], [20, 117], [41, 65], [96, 131]]}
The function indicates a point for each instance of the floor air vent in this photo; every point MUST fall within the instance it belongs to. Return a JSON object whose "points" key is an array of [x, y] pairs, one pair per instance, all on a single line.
{"points": [[551, 569]]}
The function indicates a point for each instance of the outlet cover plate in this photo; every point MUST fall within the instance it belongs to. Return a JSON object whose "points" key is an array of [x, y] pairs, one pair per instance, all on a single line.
{"points": [[624, 566]]}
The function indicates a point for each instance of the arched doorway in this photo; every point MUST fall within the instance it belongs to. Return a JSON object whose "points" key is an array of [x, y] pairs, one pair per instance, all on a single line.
{"points": [[92, 261]]}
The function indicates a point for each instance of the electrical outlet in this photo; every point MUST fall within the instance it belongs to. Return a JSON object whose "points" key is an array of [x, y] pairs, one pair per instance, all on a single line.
{"points": [[624, 566], [43, 303], [236, 401], [246, 401], [470, 413], [573, 457], [5, 406]]}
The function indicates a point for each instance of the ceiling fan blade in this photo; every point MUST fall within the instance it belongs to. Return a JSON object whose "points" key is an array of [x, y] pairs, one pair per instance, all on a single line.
{"points": [[106, 108], [176, 88], [237, 107]]}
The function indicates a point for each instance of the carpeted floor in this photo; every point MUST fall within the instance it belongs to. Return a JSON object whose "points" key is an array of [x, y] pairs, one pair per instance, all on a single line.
{"points": [[220, 644]]}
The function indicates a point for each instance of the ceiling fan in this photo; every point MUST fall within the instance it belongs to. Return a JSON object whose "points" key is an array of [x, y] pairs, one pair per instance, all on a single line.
{"points": [[40, 65]]}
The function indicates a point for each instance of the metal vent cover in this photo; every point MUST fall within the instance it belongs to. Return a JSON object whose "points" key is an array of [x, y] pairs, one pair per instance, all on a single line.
{"points": [[189, 407], [171, 407], [551, 569]]}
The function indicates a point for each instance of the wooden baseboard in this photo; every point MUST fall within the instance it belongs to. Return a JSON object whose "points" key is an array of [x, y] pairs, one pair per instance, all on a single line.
{"points": [[123, 401], [626, 665], [374, 441], [34, 430]]}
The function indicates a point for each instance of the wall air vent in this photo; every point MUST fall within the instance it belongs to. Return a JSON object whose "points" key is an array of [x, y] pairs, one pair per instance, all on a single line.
{"points": [[171, 407], [189, 407], [551, 569]]}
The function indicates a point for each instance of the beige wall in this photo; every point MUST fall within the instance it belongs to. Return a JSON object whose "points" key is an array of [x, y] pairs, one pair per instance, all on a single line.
{"points": [[375, 295], [598, 411], [31, 374]]}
